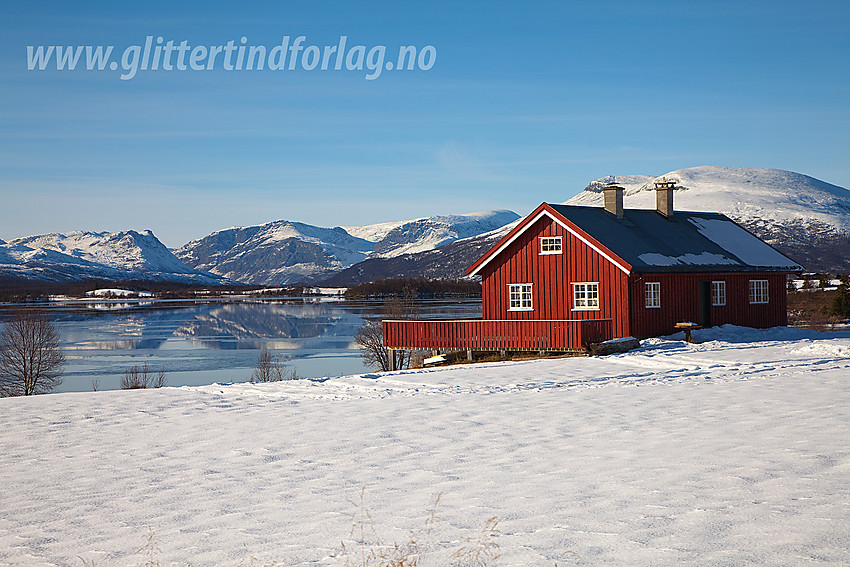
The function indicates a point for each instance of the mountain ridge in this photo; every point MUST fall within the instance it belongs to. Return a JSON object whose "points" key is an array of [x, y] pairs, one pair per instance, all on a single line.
{"points": [[819, 239], [740, 193], [286, 252], [79, 255], [803, 217]]}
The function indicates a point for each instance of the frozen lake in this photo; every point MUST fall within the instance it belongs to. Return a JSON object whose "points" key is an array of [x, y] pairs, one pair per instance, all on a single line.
{"points": [[203, 342]]}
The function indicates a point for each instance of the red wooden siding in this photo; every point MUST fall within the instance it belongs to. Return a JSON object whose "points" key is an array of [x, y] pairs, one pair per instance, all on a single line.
{"points": [[680, 301], [552, 276], [482, 334]]}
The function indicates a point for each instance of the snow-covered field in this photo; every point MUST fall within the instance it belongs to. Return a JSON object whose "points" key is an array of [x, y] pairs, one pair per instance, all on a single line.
{"points": [[733, 451]]}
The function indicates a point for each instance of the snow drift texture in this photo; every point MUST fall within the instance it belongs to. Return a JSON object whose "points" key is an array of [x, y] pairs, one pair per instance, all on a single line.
{"points": [[729, 452]]}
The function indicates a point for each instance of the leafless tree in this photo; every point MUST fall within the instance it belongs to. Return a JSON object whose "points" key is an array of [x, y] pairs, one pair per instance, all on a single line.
{"points": [[370, 335], [30, 358], [270, 369], [140, 377], [369, 338]]}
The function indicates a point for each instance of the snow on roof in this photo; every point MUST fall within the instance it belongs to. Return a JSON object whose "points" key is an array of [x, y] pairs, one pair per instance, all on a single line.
{"points": [[742, 244], [702, 259], [686, 241]]}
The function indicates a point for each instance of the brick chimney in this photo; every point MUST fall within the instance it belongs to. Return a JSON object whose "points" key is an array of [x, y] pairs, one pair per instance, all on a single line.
{"points": [[664, 197], [613, 195]]}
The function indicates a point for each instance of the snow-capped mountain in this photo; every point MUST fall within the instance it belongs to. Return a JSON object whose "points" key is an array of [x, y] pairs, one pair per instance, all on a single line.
{"points": [[744, 194], [631, 184], [803, 217], [446, 262], [81, 255], [284, 252], [275, 253], [421, 235]]}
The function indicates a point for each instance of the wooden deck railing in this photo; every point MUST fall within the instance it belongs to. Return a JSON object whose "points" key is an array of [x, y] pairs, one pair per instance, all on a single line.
{"points": [[483, 334]]}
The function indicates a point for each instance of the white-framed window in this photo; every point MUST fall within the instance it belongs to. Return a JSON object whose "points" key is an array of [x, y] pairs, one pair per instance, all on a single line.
{"points": [[585, 296], [653, 295], [519, 297], [758, 291], [718, 293], [550, 245]]}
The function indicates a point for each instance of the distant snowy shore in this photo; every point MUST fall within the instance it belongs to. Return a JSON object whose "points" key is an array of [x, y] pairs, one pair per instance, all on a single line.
{"points": [[732, 451]]}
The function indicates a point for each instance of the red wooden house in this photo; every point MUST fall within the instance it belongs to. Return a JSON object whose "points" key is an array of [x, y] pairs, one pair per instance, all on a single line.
{"points": [[567, 276]]}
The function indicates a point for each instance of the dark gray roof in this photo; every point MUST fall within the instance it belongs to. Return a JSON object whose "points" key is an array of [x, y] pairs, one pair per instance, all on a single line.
{"points": [[686, 242]]}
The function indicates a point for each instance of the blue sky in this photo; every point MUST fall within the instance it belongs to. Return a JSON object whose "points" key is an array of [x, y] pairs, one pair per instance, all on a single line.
{"points": [[526, 102]]}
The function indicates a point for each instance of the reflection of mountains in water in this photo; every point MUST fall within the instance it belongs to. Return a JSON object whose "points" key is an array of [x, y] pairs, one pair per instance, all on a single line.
{"points": [[134, 327], [221, 326]]}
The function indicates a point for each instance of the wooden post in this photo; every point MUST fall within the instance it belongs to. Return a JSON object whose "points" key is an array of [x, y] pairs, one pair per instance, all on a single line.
{"points": [[469, 354], [391, 359]]}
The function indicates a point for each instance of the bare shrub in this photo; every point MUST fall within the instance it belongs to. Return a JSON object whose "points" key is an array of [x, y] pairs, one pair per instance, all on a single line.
{"points": [[822, 321], [30, 358], [150, 552], [370, 339], [815, 310], [271, 369], [370, 335], [371, 550], [141, 377], [476, 552]]}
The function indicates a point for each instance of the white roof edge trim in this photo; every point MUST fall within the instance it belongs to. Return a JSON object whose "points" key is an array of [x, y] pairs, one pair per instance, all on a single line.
{"points": [[539, 216]]}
